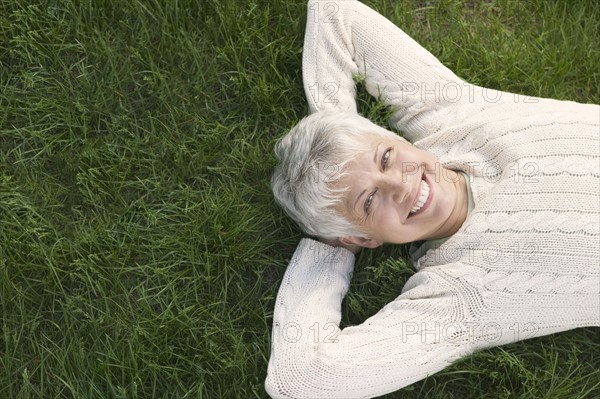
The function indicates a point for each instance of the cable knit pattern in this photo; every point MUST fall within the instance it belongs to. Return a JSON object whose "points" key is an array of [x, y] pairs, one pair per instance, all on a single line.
{"points": [[525, 263]]}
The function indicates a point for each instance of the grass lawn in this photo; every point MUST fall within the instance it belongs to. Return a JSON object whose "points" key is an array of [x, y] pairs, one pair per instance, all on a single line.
{"points": [[140, 247]]}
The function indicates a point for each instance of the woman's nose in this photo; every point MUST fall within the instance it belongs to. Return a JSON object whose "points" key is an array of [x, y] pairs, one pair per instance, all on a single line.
{"points": [[397, 188]]}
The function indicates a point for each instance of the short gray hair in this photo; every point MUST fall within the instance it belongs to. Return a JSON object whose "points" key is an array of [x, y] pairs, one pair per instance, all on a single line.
{"points": [[312, 156]]}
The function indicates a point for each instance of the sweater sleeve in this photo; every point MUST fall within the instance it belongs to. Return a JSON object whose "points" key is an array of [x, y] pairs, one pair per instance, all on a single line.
{"points": [[312, 358], [344, 39]]}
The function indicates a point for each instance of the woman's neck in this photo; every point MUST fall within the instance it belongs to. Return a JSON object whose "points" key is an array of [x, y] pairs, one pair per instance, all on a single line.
{"points": [[459, 212]]}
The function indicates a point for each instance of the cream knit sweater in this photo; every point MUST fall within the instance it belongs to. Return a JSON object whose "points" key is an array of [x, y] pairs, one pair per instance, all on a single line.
{"points": [[525, 263]]}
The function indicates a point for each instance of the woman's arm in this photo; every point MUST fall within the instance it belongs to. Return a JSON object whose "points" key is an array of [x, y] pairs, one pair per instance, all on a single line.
{"points": [[347, 38], [403, 343]]}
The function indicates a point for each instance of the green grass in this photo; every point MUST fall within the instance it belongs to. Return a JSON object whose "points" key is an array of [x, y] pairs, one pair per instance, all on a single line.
{"points": [[140, 247]]}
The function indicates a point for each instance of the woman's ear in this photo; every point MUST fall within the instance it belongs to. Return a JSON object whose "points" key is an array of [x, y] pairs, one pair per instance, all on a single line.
{"points": [[360, 241]]}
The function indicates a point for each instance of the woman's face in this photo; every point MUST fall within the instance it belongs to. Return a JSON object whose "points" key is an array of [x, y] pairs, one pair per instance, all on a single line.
{"points": [[399, 193]]}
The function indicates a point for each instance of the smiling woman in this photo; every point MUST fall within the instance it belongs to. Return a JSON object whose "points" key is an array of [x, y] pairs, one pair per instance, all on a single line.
{"points": [[374, 180], [489, 171], [396, 195]]}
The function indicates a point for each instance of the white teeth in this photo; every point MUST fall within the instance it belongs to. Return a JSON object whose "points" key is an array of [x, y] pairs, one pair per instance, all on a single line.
{"points": [[422, 198]]}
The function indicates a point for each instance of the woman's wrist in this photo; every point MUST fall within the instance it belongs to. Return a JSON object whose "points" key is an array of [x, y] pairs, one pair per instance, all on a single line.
{"points": [[355, 249]]}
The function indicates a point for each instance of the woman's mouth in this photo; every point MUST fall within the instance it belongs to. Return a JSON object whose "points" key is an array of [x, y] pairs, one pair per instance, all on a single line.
{"points": [[424, 198]]}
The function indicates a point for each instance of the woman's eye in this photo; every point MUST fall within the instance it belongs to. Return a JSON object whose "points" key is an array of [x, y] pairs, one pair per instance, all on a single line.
{"points": [[368, 203], [385, 158]]}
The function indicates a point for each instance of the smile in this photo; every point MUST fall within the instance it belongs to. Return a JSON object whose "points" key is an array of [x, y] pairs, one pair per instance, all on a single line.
{"points": [[424, 198]]}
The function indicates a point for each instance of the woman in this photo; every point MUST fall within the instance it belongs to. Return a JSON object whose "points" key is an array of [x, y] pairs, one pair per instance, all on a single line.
{"points": [[500, 193]]}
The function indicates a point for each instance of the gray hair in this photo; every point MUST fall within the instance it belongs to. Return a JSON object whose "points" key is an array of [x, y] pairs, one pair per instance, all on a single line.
{"points": [[313, 156]]}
